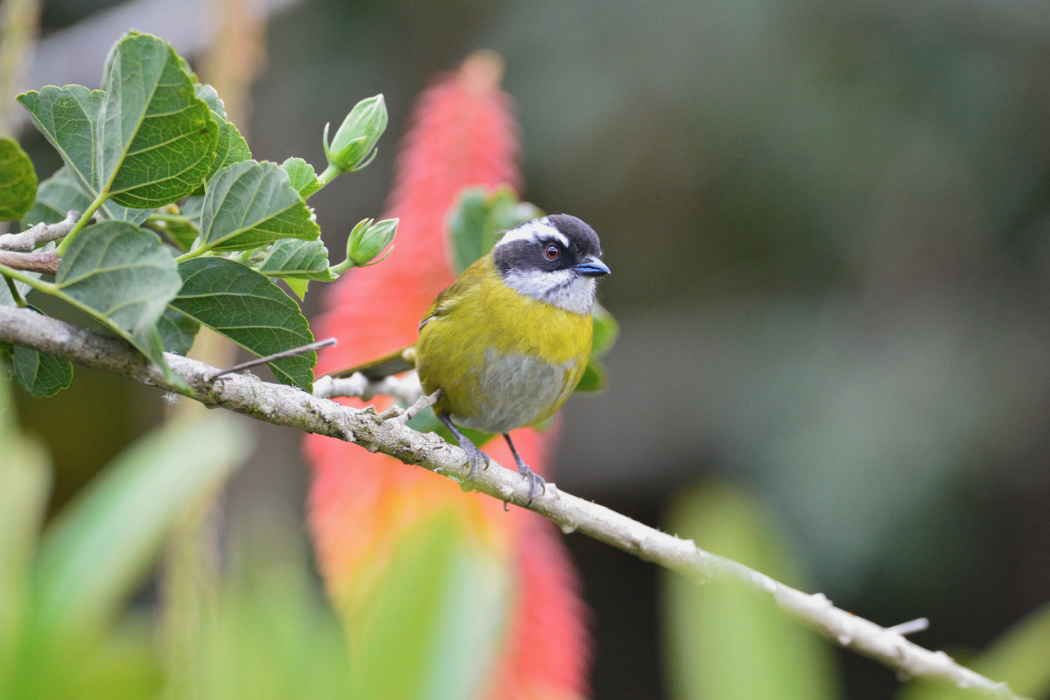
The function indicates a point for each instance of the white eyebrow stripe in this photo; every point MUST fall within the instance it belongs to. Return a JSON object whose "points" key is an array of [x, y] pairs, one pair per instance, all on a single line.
{"points": [[534, 230]]}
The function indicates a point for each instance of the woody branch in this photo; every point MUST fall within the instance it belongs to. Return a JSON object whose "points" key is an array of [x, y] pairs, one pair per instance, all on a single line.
{"points": [[288, 406]]}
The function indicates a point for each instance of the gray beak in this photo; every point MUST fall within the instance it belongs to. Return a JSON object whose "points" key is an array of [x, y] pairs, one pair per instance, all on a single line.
{"points": [[592, 267]]}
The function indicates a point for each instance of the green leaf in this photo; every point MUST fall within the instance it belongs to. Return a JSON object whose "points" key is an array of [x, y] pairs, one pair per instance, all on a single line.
{"points": [[184, 233], [231, 148], [594, 377], [177, 331], [156, 139], [17, 180], [249, 309], [427, 422], [25, 477], [67, 117], [298, 287], [302, 176], [56, 196], [478, 219], [100, 548], [181, 233], [210, 96], [1019, 657], [606, 329], [436, 614], [728, 642], [123, 276], [251, 204], [40, 374], [305, 260]]}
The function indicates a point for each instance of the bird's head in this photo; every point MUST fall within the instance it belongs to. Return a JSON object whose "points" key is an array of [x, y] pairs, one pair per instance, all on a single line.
{"points": [[554, 259]]}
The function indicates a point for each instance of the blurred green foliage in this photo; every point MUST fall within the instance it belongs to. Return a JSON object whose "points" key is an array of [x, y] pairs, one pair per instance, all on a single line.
{"points": [[725, 642], [68, 625]]}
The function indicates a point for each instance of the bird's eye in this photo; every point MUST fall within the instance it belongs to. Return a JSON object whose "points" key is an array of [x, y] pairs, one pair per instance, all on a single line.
{"points": [[552, 252]]}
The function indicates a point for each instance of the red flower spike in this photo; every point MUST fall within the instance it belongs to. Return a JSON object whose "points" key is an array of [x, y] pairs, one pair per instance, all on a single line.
{"points": [[362, 506]]}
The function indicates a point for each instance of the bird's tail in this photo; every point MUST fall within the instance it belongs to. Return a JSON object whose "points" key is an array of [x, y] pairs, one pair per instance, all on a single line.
{"points": [[374, 370]]}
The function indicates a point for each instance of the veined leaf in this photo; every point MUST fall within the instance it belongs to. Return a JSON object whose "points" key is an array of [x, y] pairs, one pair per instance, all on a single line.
{"points": [[249, 309], [184, 233], [302, 176], [177, 331], [67, 117], [291, 258], [40, 374], [251, 204], [210, 96], [231, 148], [124, 276], [17, 180], [102, 545], [155, 138], [56, 196]]}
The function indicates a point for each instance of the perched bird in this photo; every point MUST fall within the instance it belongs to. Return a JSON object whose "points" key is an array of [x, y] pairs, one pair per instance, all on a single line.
{"points": [[508, 341]]}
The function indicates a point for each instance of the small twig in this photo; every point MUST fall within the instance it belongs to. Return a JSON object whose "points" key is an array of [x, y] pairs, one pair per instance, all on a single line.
{"points": [[278, 356], [911, 627], [29, 240], [46, 263], [423, 403], [406, 389]]}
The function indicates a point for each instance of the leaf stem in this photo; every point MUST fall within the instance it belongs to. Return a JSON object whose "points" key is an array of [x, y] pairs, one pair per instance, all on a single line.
{"points": [[328, 175], [84, 219], [15, 294], [195, 253], [173, 218]]}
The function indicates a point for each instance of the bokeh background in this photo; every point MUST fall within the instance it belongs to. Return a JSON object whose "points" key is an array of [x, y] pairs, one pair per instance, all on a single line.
{"points": [[829, 230]]}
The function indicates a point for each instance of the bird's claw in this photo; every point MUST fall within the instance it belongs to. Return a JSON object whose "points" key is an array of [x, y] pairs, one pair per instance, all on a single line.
{"points": [[475, 458], [534, 480]]}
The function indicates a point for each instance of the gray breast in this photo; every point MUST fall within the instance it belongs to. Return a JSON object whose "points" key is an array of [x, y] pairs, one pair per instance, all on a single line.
{"points": [[515, 391]]}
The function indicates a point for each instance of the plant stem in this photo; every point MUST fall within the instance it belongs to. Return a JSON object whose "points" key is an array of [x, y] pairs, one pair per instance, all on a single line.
{"points": [[328, 175], [342, 267], [84, 219], [173, 218], [196, 252], [21, 277], [15, 294]]}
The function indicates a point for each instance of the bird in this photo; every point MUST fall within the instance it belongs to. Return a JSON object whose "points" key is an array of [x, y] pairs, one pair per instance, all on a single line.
{"points": [[505, 345]]}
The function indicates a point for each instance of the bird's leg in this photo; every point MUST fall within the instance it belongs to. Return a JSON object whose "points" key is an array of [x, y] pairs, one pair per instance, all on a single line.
{"points": [[526, 471], [475, 456]]}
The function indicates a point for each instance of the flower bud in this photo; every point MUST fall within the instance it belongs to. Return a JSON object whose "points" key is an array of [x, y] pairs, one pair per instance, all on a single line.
{"points": [[351, 149], [368, 239]]}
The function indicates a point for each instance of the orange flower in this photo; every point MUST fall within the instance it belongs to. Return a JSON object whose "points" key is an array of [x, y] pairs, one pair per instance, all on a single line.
{"points": [[510, 591]]}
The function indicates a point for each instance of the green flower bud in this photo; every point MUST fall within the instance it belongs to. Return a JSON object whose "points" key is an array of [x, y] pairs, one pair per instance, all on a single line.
{"points": [[352, 147], [369, 239]]}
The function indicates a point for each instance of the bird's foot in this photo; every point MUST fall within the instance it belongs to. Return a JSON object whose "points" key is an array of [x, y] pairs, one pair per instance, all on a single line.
{"points": [[475, 458], [535, 480]]}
